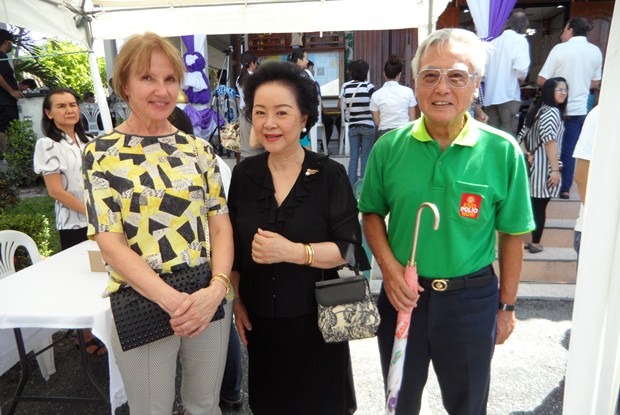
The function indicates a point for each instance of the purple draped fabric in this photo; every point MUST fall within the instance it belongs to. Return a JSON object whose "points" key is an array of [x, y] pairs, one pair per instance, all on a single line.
{"points": [[205, 118], [498, 14], [196, 97]]}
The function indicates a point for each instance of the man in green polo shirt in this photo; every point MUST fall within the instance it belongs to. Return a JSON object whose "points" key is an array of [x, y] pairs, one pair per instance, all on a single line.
{"points": [[476, 176]]}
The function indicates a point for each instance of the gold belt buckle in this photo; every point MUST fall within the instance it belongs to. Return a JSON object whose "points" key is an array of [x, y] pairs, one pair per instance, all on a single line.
{"points": [[439, 285]]}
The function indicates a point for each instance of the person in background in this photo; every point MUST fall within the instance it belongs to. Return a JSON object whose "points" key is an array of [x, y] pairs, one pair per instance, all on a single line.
{"points": [[149, 188], [28, 85], [328, 122], [295, 221], [508, 65], [58, 157], [477, 178], [476, 110], [355, 98], [249, 63], [583, 155], [89, 97], [580, 63], [542, 140], [300, 58], [393, 105], [9, 90]]}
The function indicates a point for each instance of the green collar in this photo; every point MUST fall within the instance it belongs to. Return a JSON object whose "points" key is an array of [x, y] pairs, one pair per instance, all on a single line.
{"points": [[466, 137]]}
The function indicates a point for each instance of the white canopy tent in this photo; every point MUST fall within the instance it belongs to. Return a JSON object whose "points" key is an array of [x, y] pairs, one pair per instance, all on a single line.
{"points": [[85, 20]]}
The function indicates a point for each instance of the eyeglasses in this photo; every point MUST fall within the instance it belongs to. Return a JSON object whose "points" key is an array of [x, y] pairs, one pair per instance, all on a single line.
{"points": [[457, 78], [561, 90]]}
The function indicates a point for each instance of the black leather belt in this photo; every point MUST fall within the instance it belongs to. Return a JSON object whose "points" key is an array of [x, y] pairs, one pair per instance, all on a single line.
{"points": [[477, 279]]}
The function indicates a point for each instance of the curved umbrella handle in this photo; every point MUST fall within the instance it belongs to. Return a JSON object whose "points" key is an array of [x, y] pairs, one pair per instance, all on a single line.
{"points": [[417, 226]]}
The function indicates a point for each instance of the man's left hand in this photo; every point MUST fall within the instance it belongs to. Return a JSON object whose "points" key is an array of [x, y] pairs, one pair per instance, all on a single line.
{"points": [[506, 323]]}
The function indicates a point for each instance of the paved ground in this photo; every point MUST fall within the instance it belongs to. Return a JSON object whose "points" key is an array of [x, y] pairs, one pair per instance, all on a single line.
{"points": [[527, 379]]}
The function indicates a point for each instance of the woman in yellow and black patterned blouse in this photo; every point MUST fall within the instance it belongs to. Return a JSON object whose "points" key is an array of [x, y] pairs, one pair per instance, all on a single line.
{"points": [[149, 189]]}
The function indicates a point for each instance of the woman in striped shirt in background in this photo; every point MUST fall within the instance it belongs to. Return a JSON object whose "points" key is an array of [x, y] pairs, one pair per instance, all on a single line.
{"points": [[542, 139], [355, 98]]}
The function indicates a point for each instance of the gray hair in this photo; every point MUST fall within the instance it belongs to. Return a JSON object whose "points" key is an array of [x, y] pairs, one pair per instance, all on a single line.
{"points": [[478, 50]]}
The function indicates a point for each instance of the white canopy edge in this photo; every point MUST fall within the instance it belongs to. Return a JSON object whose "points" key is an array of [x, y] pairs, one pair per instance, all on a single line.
{"points": [[212, 17], [43, 17], [274, 17]]}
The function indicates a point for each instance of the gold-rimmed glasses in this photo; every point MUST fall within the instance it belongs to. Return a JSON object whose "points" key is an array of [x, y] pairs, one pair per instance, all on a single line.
{"points": [[457, 78]]}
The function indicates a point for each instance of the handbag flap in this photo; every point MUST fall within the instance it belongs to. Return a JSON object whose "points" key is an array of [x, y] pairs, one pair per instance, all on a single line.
{"points": [[341, 290]]}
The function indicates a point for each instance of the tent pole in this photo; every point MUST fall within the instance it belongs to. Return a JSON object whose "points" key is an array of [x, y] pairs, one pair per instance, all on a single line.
{"points": [[102, 100]]}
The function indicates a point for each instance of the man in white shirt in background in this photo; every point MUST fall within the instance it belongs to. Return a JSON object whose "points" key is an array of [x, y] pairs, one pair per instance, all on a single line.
{"points": [[507, 67], [580, 63]]}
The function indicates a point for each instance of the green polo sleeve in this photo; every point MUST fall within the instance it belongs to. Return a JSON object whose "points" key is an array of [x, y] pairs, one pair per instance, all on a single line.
{"points": [[514, 214]]}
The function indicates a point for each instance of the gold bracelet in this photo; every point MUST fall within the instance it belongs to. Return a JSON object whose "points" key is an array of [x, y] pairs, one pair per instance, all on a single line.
{"points": [[221, 274], [220, 279], [309, 254]]}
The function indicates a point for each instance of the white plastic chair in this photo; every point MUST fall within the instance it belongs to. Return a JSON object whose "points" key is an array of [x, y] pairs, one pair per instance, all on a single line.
{"points": [[121, 111], [317, 132], [90, 112], [34, 339]]}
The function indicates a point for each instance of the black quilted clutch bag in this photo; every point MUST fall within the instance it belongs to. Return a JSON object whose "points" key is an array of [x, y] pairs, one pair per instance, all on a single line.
{"points": [[140, 321]]}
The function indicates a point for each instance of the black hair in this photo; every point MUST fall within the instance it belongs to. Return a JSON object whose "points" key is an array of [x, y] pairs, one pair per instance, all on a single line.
{"points": [[179, 119], [6, 35], [30, 83], [296, 54], [393, 67], [50, 128], [547, 97], [359, 70], [88, 94], [289, 75], [580, 25], [518, 22], [310, 63], [246, 59]]}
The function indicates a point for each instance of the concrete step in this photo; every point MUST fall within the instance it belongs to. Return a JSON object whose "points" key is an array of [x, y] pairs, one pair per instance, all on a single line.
{"points": [[553, 265], [564, 208], [558, 233]]}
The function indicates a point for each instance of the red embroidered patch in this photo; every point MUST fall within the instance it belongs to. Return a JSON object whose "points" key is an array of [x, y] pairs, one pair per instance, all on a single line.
{"points": [[470, 205]]}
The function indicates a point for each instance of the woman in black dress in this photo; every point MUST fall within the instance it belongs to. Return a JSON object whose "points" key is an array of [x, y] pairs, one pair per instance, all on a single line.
{"points": [[295, 221]]}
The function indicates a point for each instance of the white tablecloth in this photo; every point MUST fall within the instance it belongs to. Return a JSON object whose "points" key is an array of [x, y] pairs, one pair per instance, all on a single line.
{"points": [[61, 292]]}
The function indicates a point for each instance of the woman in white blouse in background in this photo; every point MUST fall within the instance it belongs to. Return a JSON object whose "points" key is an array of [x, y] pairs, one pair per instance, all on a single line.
{"points": [[58, 157], [394, 105]]}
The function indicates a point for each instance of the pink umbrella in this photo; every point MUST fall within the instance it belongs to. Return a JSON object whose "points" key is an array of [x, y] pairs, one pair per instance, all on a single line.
{"points": [[397, 362]]}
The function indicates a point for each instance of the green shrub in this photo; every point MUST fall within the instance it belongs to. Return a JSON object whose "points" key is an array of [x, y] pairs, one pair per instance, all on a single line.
{"points": [[19, 153], [35, 217], [8, 191]]}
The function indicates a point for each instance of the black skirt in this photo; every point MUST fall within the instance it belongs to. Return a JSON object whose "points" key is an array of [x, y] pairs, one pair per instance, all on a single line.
{"points": [[293, 371]]}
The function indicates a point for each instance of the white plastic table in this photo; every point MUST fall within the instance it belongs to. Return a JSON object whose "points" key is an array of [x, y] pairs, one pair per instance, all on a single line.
{"points": [[61, 292]]}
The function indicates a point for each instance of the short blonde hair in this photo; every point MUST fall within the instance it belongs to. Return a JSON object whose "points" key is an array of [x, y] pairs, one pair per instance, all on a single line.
{"points": [[478, 50], [135, 56]]}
